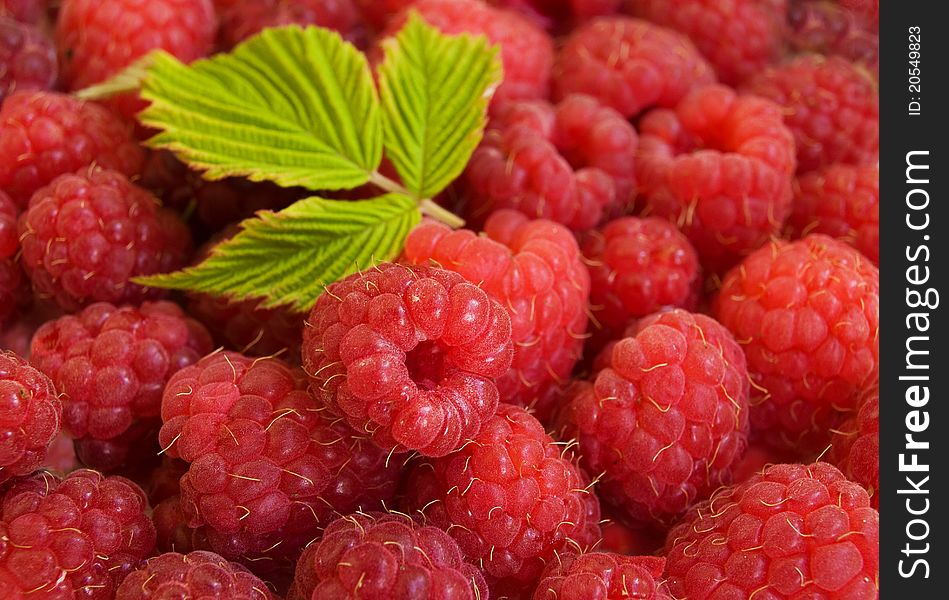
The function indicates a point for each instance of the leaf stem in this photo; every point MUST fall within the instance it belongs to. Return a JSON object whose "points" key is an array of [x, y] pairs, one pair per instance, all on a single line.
{"points": [[429, 208], [426, 205], [389, 185]]}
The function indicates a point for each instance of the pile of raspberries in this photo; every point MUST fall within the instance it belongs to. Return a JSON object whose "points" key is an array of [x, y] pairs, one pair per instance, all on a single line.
{"points": [[647, 368]]}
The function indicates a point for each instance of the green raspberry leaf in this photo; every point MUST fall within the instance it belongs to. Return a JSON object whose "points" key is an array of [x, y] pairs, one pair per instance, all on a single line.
{"points": [[127, 80], [293, 106], [287, 258], [435, 90]]}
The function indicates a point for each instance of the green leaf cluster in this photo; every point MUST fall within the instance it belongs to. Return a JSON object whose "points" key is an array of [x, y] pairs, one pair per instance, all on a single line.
{"points": [[300, 107]]}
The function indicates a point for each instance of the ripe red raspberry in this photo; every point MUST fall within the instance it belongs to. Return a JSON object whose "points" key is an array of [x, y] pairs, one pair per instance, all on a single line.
{"points": [[203, 575], [831, 106], [86, 235], [739, 37], [855, 445], [533, 269], [807, 314], [665, 422], [172, 531], [602, 575], [251, 330], [30, 414], [526, 50], [639, 266], [244, 18], [12, 292], [629, 65], [385, 556], [509, 498], [99, 38], [409, 355], [795, 531], [720, 166], [268, 465], [828, 28], [46, 134], [868, 10], [572, 163], [759, 456], [24, 11], [27, 58], [75, 537], [842, 201], [112, 363]]}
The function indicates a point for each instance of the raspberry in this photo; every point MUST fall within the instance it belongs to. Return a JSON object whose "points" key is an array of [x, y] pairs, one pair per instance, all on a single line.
{"points": [[509, 498], [855, 446], [794, 531], [99, 38], [831, 106], [203, 575], [30, 414], [173, 532], [268, 465], [571, 163], [24, 11], [526, 50], [602, 575], [46, 134], [629, 65], [868, 10], [86, 235], [385, 556], [808, 316], [739, 37], [620, 538], [827, 28], [27, 58], [533, 269], [12, 292], [112, 363], [74, 537], [720, 166], [409, 355], [842, 201], [665, 422], [760, 456], [251, 330], [638, 267], [245, 18]]}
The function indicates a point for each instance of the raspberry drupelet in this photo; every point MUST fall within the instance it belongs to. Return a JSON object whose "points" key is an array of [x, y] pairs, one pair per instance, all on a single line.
{"points": [[831, 105], [27, 58], [637, 267], [99, 38], [807, 314], [792, 531], [572, 162], [46, 134], [666, 421], [409, 355], [510, 498], [75, 537], [842, 201], [112, 363], [385, 557], [527, 52], [604, 576], [720, 166], [199, 574], [30, 416], [85, 235], [629, 65], [534, 270], [24, 11], [855, 445], [739, 38], [268, 465]]}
